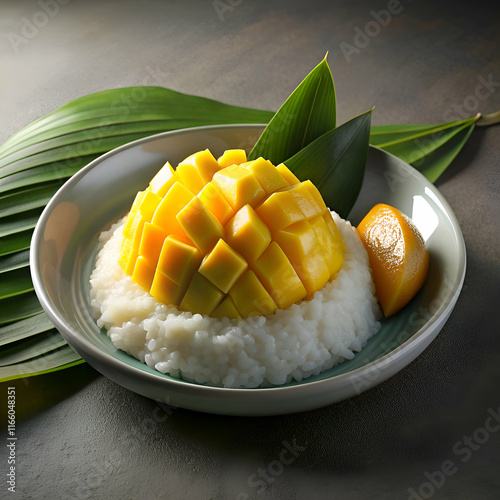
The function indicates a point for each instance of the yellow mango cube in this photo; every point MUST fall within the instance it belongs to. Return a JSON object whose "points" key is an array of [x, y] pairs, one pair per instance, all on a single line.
{"points": [[301, 246], [287, 174], [223, 266], [280, 210], [336, 238], [201, 226], [137, 227], [226, 309], [165, 290], [332, 249], [247, 234], [127, 228], [152, 241], [279, 277], [190, 177], [316, 195], [137, 223], [305, 199], [267, 175], [173, 202], [178, 260], [232, 157], [131, 260], [125, 252], [211, 197], [250, 297], [163, 180], [201, 296], [143, 273], [198, 169], [149, 204], [239, 186]]}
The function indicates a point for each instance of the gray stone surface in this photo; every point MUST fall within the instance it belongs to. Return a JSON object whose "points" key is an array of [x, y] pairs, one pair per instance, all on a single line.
{"points": [[82, 436]]}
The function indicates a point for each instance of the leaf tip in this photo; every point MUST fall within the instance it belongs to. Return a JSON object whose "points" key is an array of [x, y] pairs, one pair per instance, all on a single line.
{"points": [[325, 60]]}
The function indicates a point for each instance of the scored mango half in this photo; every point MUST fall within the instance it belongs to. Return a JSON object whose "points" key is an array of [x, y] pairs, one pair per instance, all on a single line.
{"points": [[230, 237]]}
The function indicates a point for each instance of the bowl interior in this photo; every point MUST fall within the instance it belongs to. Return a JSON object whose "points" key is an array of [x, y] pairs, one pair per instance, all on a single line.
{"points": [[65, 243]]}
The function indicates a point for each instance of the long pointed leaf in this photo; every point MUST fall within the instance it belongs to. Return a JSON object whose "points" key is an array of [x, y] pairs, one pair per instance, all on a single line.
{"points": [[17, 308], [78, 150], [94, 134], [127, 105], [59, 359], [309, 112], [44, 173], [25, 328], [92, 138], [15, 282], [335, 163], [26, 199], [403, 128], [387, 135], [19, 222], [14, 261], [433, 165], [413, 150], [31, 348], [15, 242]]}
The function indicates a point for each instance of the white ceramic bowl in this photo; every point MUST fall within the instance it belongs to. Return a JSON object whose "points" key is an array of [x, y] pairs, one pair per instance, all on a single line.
{"points": [[65, 242]]}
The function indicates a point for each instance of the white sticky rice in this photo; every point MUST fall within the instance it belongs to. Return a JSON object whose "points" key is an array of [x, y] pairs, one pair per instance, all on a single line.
{"points": [[291, 344]]}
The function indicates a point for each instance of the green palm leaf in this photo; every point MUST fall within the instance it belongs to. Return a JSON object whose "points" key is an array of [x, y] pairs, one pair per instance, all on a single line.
{"points": [[309, 112], [91, 137], [25, 328], [33, 347], [15, 242], [388, 135], [59, 359], [429, 148], [16, 260], [19, 222], [19, 307], [109, 108], [28, 198], [436, 162], [15, 282], [47, 172], [415, 146], [335, 163]]}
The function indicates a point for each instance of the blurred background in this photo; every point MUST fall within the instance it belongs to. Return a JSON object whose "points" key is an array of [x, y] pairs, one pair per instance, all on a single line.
{"points": [[412, 60]]}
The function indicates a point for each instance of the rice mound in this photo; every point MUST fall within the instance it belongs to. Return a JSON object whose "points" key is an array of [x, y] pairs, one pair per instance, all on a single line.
{"points": [[291, 344]]}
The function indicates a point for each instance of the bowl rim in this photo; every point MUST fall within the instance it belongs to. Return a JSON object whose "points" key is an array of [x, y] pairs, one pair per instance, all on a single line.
{"points": [[419, 340]]}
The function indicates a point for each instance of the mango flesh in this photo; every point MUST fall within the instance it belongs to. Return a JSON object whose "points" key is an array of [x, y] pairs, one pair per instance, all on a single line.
{"points": [[397, 253], [230, 237]]}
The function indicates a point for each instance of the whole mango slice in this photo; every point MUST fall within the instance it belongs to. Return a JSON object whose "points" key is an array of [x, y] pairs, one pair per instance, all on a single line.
{"points": [[230, 237], [397, 253]]}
